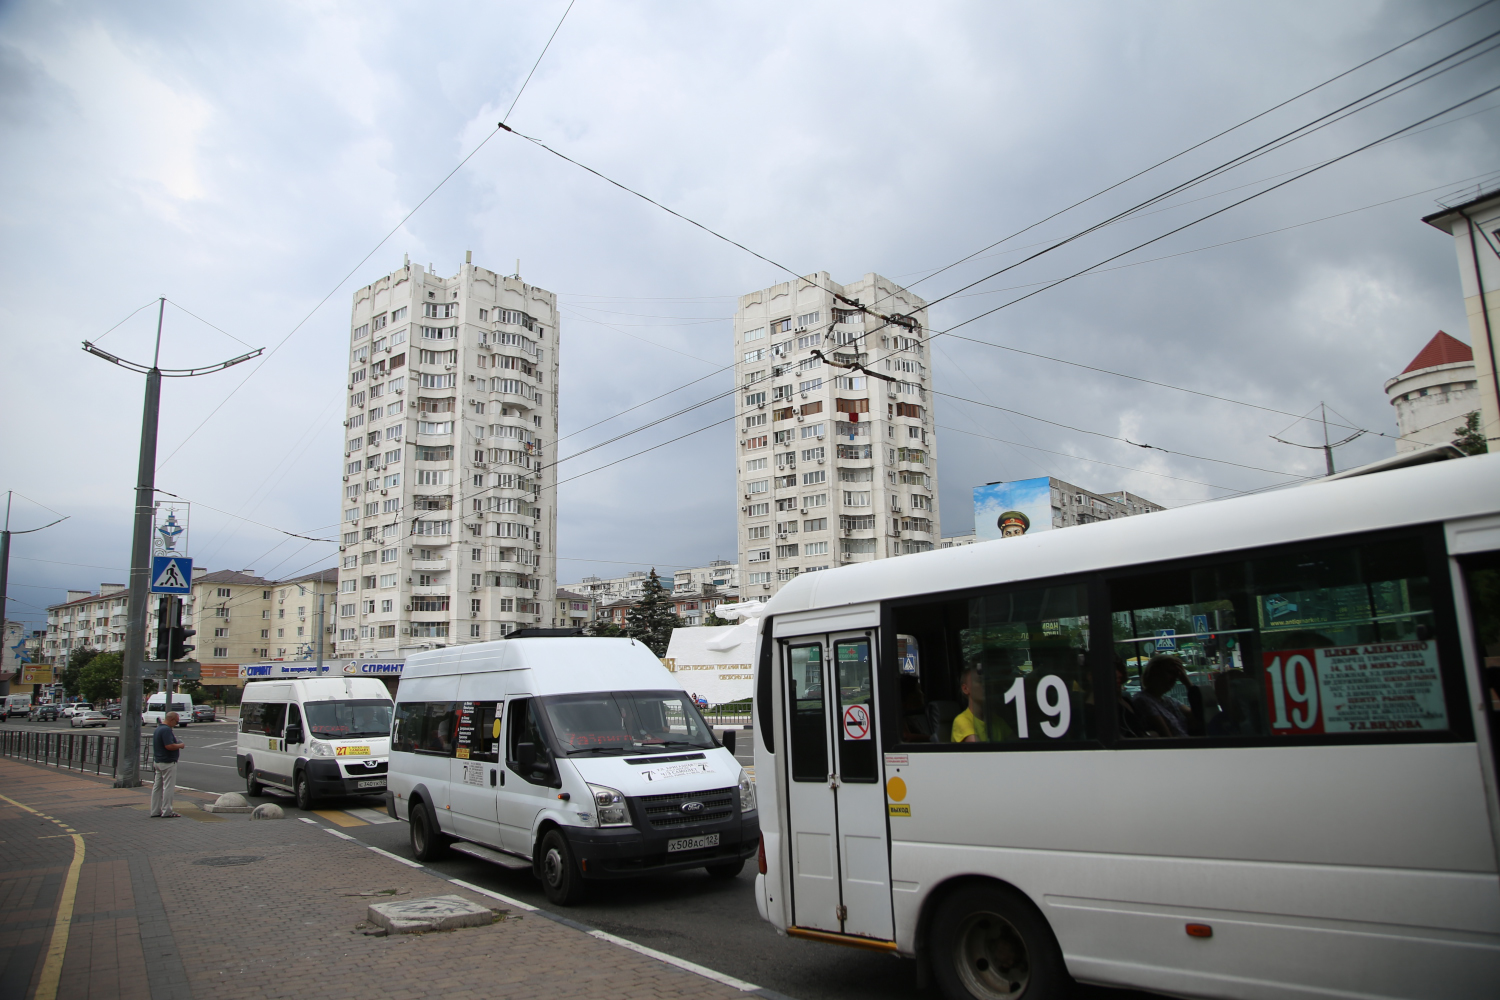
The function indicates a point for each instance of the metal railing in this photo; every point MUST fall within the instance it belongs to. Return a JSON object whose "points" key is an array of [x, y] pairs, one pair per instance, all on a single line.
{"points": [[98, 752]]}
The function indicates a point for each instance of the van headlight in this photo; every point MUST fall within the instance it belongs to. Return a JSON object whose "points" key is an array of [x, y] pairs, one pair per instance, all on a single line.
{"points": [[747, 793], [609, 805], [320, 749]]}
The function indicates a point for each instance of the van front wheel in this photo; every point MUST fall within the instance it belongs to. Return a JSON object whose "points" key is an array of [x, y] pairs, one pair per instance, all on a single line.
{"points": [[305, 797], [427, 841], [989, 943], [560, 875]]}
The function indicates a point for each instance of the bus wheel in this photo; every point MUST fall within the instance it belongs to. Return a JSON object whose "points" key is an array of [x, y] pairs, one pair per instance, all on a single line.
{"points": [[989, 943], [427, 842], [252, 787], [560, 875]]}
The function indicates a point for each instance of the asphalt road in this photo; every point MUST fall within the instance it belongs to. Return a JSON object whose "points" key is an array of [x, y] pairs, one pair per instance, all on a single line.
{"points": [[686, 914]]}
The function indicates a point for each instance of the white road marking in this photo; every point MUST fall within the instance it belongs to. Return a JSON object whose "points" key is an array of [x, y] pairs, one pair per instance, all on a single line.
{"points": [[211, 746], [660, 956], [493, 895], [371, 815], [680, 963]]}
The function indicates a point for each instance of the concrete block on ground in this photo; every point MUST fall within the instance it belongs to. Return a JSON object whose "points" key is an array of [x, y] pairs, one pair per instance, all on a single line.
{"points": [[434, 913], [229, 802], [267, 810]]}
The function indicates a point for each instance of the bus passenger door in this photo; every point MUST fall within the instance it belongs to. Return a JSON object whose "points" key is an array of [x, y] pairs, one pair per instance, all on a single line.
{"points": [[836, 805]]}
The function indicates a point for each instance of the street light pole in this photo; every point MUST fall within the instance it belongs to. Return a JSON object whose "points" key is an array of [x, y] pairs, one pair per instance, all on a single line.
{"points": [[5, 585], [127, 764], [127, 761]]}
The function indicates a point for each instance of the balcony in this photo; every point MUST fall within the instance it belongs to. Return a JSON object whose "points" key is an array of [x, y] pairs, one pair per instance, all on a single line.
{"points": [[429, 565], [438, 591]]}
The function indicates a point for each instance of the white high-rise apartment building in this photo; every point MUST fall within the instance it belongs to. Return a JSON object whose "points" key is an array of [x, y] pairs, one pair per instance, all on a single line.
{"points": [[834, 466], [449, 514]]}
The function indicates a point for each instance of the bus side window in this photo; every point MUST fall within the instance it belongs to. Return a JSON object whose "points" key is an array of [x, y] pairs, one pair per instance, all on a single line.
{"points": [[1319, 640], [807, 728], [1008, 666]]}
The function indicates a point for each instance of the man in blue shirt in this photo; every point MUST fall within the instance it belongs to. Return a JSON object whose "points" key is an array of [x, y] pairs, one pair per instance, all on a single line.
{"points": [[164, 750]]}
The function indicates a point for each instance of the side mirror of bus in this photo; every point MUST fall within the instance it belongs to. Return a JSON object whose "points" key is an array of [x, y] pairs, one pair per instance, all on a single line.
{"points": [[729, 740], [526, 755], [294, 736]]}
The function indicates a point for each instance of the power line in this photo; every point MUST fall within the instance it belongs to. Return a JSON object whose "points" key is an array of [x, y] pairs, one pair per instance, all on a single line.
{"points": [[1211, 138], [1116, 437], [383, 240], [122, 322]]}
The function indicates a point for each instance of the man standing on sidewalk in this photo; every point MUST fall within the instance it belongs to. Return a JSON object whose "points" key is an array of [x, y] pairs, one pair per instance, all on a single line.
{"points": [[164, 750]]}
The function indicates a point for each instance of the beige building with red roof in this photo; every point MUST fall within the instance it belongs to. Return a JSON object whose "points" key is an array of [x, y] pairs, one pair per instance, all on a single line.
{"points": [[1475, 228], [1435, 394]]}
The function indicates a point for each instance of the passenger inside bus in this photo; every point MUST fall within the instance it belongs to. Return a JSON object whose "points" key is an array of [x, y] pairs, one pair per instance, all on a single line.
{"points": [[1161, 715]]}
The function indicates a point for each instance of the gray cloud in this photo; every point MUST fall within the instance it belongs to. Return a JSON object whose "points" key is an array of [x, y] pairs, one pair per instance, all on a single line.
{"points": [[241, 160]]}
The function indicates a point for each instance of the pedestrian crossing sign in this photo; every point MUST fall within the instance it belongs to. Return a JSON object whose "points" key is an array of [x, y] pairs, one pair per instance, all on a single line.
{"points": [[171, 575]]}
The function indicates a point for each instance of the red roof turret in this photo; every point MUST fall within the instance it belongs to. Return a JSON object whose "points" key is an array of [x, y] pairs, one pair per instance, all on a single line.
{"points": [[1440, 350]]}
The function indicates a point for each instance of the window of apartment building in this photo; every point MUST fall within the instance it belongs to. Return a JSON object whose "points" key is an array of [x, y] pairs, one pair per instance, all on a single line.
{"points": [[814, 454], [808, 319], [758, 486], [758, 509], [760, 578], [346, 610], [759, 441], [357, 401], [815, 477], [266, 613], [856, 498], [755, 334], [788, 551], [435, 453], [785, 528], [815, 524], [755, 398], [812, 431], [265, 633], [221, 633], [360, 331], [431, 527], [220, 652], [348, 586], [387, 579], [755, 465], [755, 420], [223, 592], [758, 531]]}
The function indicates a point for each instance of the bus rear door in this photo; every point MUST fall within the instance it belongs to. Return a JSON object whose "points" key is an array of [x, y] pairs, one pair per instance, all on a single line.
{"points": [[835, 801]]}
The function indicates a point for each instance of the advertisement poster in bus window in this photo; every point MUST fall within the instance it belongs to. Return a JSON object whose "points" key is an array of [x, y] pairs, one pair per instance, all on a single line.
{"points": [[1011, 510], [1371, 687]]}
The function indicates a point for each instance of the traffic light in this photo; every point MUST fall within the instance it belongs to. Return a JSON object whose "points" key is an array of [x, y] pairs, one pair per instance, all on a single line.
{"points": [[164, 623], [179, 636]]}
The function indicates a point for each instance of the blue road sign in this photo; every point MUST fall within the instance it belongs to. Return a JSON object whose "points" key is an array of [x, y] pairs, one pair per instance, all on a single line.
{"points": [[1167, 642], [171, 575]]}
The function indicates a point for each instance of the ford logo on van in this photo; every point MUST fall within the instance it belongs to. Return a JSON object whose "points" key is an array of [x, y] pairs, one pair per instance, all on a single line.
{"points": [[691, 807]]}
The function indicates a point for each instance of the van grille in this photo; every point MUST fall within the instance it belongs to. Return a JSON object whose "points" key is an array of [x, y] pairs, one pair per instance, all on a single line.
{"points": [[361, 771], [664, 812]]}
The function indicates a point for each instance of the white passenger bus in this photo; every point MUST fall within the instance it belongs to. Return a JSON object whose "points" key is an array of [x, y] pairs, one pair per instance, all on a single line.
{"points": [[1237, 749]]}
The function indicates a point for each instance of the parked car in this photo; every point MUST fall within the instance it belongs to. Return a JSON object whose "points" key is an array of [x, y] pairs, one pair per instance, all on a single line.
{"points": [[71, 710], [47, 713], [113, 711], [204, 713], [82, 720]]}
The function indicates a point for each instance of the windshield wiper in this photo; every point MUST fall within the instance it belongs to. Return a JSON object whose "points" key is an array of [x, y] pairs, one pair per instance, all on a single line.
{"points": [[667, 744], [619, 751]]}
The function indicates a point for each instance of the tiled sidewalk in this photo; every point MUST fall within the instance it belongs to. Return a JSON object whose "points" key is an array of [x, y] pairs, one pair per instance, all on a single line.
{"points": [[219, 906]]}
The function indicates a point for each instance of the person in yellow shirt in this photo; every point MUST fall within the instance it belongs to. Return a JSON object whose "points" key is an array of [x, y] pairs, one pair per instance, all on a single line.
{"points": [[971, 725]]}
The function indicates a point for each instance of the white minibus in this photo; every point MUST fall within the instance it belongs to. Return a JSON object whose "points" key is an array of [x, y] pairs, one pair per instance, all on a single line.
{"points": [[156, 708], [315, 737], [17, 704], [1236, 749], [578, 758]]}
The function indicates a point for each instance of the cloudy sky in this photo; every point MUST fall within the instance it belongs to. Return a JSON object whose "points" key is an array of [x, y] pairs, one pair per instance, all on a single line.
{"points": [[241, 160]]}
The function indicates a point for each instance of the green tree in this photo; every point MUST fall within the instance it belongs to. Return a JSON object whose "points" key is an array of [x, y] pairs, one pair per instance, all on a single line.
{"points": [[72, 671], [99, 680], [712, 619], [603, 627], [1470, 438], [652, 619]]}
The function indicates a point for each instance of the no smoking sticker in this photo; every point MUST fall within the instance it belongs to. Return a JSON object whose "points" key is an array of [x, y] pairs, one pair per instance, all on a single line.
{"points": [[856, 723]]}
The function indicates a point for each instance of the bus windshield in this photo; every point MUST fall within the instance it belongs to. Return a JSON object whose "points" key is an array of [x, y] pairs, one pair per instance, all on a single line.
{"points": [[337, 720], [626, 722]]}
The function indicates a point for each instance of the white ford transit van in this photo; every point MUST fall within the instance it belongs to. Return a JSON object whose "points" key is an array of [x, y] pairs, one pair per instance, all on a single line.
{"points": [[579, 758], [156, 708], [315, 737]]}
